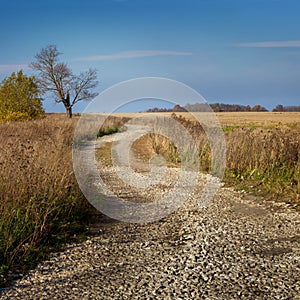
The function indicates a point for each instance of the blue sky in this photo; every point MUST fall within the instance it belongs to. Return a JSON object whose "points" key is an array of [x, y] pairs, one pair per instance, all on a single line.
{"points": [[230, 51]]}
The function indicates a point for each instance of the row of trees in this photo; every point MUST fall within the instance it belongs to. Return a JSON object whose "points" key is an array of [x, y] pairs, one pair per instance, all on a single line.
{"points": [[21, 95], [221, 107], [281, 108]]}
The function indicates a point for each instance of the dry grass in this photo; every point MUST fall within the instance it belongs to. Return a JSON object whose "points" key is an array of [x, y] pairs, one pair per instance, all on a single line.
{"points": [[39, 194], [264, 119], [265, 160], [260, 159], [151, 144]]}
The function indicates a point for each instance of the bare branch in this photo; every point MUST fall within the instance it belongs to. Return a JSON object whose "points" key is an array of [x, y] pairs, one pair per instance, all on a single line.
{"points": [[83, 85]]}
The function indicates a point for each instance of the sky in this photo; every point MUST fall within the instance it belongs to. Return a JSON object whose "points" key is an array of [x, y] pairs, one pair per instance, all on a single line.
{"points": [[229, 51]]}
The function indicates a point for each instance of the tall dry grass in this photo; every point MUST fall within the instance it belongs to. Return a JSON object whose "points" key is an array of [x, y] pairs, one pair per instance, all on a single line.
{"points": [[39, 196], [260, 159], [265, 160]]}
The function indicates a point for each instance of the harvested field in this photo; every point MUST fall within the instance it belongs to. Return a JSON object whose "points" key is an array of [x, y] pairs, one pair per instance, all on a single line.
{"points": [[241, 118]]}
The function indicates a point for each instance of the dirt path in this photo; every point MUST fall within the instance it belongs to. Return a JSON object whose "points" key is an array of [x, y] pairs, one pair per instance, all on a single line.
{"points": [[238, 247]]}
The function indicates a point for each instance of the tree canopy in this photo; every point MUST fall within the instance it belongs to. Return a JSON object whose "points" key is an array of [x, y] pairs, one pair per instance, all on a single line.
{"points": [[19, 98], [56, 77]]}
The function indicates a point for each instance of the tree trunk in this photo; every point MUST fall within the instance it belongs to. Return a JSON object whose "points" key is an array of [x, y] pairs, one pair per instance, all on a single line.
{"points": [[69, 112]]}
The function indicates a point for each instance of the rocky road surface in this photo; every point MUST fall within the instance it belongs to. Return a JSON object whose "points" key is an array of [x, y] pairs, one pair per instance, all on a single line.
{"points": [[238, 247]]}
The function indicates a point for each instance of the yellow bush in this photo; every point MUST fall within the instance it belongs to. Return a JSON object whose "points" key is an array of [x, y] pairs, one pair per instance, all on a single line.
{"points": [[19, 98], [14, 116]]}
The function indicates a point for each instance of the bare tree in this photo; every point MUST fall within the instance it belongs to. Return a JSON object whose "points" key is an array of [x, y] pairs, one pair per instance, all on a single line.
{"points": [[56, 77]]}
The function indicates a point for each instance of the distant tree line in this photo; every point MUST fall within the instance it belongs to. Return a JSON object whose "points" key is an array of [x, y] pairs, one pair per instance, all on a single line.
{"points": [[221, 107], [281, 108], [157, 109]]}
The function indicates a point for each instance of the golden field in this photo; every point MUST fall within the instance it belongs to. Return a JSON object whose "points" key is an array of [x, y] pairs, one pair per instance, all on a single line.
{"points": [[238, 118]]}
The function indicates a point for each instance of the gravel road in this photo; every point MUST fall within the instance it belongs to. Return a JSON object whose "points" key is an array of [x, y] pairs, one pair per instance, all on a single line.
{"points": [[238, 247]]}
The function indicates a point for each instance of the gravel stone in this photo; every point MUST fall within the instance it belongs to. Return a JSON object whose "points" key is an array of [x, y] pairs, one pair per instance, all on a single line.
{"points": [[228, 250]]}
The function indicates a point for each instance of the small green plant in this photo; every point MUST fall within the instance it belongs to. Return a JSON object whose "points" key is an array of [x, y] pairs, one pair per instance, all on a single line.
{"points": [[112, 125], [173, 154], [230, 128], [292, 125], [110, 130], [253, 127]]}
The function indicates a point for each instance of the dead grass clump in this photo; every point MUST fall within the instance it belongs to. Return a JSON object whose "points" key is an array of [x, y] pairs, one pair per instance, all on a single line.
{"points": [[151, 144]]}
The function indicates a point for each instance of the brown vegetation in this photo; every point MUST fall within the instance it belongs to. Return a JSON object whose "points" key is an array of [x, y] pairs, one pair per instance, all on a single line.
{"points": [[260, 159], [39, 198], [266, 161]]}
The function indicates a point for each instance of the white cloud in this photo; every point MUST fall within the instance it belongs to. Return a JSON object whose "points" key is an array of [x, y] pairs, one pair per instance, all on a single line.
{"points": [[11, 68], [272, 44], [133, 54]]}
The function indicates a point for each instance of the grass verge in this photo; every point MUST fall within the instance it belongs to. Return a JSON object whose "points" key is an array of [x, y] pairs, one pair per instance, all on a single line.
{"points": [[112, 125], [41, 206]]}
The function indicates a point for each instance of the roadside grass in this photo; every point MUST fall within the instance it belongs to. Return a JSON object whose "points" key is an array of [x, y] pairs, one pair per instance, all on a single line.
{"points": [[265, 162], [108, 131], [262, 160], [112, 125], [41, 206], [103, 155]]}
